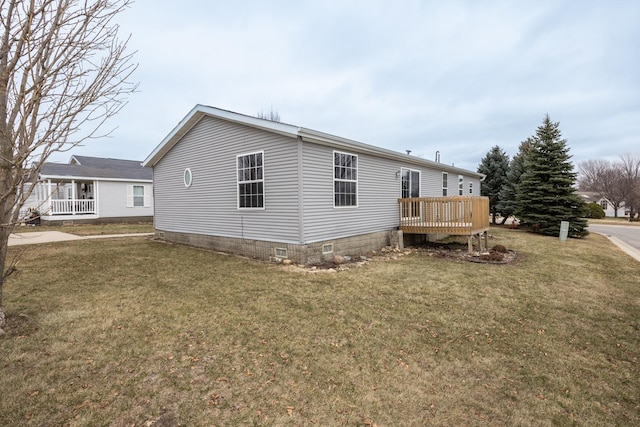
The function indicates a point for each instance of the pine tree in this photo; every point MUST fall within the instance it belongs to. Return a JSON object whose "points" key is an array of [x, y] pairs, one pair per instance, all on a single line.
{"points": [[494, 166], [546, 193], [507, 204]]}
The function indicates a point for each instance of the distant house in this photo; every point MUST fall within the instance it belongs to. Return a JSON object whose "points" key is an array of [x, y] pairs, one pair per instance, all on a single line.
{"points": [[605, 204], [272, 190], [93, 189]]}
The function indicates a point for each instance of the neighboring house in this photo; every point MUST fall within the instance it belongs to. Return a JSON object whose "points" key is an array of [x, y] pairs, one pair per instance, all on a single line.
{"points": [[93, 189], [605, 204], [271, 190]]}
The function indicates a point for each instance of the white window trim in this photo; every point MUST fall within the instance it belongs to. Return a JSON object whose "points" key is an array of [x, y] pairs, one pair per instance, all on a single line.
{"points": [[184, 177], [419, 180], [264, 187], [333, 174], [445, 184], [460, 185], [470, 187], [146, 196], [410, 211]]}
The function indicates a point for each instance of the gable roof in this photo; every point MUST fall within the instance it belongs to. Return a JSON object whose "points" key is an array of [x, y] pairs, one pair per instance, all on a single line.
{"points": [[310, 135], [98, 168]]}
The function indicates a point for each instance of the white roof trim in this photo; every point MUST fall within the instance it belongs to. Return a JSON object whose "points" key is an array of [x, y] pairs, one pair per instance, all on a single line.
{"points": [[199, 111], [91, 178]]}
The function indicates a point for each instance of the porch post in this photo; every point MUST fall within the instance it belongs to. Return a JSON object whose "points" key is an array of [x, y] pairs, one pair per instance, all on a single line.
{"points": [[73, 197], [49, 208], [95, 197]]}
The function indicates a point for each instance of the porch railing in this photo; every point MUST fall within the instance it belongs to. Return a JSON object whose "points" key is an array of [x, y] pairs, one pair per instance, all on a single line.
{"points": [[457, 215], [73, 207]]}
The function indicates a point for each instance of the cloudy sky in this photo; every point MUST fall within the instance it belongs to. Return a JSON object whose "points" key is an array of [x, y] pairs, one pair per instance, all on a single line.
{"points": [[457, 77]]}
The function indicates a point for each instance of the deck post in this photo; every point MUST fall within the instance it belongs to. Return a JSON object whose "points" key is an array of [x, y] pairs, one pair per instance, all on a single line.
{"points": [[486, 240], [470, 243]]}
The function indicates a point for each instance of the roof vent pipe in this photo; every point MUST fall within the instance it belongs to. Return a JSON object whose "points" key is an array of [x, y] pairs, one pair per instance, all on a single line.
{"points": [[437, 156], [408, 152]]}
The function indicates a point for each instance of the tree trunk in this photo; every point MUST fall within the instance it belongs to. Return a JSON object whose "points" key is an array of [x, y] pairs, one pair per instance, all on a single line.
{"points": [[5, 230]]}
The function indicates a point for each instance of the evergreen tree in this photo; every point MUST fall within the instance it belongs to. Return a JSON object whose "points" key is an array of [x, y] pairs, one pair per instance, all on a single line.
{"points": [[507, 204], [494, 166], [546, 193]]}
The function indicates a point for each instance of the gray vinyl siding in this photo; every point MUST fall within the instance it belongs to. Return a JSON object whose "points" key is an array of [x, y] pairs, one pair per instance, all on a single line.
{"points": [[209, 205], [112, 200], [379, 187], [378, 190]]}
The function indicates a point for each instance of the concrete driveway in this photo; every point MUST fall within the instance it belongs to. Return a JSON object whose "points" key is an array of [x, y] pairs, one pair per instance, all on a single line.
{"points": [[36, 237], [626, 237]]}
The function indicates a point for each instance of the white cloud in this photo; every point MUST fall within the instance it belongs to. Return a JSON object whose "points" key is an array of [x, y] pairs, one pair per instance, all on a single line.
{"points": [[458, 77]]}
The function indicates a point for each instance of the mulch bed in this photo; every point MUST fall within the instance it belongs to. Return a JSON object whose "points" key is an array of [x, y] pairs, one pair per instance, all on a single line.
{"points": [[453, 251]]}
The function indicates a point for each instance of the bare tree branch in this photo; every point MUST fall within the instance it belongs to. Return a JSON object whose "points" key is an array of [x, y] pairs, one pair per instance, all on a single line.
{"points": [[63, 73]]}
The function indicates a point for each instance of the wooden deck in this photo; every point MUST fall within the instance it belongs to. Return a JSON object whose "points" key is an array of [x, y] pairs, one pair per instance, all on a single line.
{"points": [[457, 215]]}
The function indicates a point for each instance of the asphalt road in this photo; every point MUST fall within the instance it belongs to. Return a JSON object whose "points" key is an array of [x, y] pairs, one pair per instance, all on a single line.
{"points": [[628, 234]]}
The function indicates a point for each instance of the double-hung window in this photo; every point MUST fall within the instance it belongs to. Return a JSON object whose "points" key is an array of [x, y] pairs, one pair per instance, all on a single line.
{"points": [[460, 185], [251, 180], [345, 179], [138, 195]]}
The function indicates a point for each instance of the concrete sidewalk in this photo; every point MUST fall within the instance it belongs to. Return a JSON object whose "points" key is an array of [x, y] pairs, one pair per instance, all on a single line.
{"points": [[37, 237]]}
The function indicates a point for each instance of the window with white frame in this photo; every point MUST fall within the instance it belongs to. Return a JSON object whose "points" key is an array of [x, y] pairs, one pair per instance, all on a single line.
{"points": [[604, 204], [345, 179], [471, 188], [460, 185], [445, 182], [250, 180], [138, 195]]}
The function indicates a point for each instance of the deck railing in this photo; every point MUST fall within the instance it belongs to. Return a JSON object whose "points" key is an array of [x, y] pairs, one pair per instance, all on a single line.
{"points": [[73, 207], [457, 215]]}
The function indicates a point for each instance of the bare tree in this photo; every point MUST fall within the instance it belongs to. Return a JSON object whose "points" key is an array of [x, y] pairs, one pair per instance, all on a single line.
{"points": [[630, 168], [63, 73], [604, 178], [272, 115]]}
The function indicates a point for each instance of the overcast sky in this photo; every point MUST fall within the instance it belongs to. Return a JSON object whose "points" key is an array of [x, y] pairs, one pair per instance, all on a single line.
{"points": [[452, 76]]}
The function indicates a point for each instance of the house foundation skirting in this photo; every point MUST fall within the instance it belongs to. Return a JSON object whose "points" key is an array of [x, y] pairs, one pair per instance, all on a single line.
{"points": [[310, 253], [78, 219]]}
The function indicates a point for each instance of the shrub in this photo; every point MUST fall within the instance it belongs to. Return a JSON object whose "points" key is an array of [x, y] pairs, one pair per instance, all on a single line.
{"points": [[593, 210], [499, 248]]}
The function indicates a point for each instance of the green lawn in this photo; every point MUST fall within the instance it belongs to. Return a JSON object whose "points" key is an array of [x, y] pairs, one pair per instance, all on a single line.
{"points": [[132, 331]]}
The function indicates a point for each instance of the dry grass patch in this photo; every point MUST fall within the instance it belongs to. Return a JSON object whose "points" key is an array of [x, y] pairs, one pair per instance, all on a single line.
{"points": [[614, 221], [91, 229], [130, 331]]}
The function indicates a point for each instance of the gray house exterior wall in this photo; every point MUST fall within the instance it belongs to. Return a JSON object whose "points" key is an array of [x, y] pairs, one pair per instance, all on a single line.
{"points": [[299, 216], [113, 200], [210, 205]]}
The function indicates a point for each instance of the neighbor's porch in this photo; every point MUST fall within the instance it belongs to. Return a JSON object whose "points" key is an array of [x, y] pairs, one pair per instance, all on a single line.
{"points": [[66, 198], [457, 215]]}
